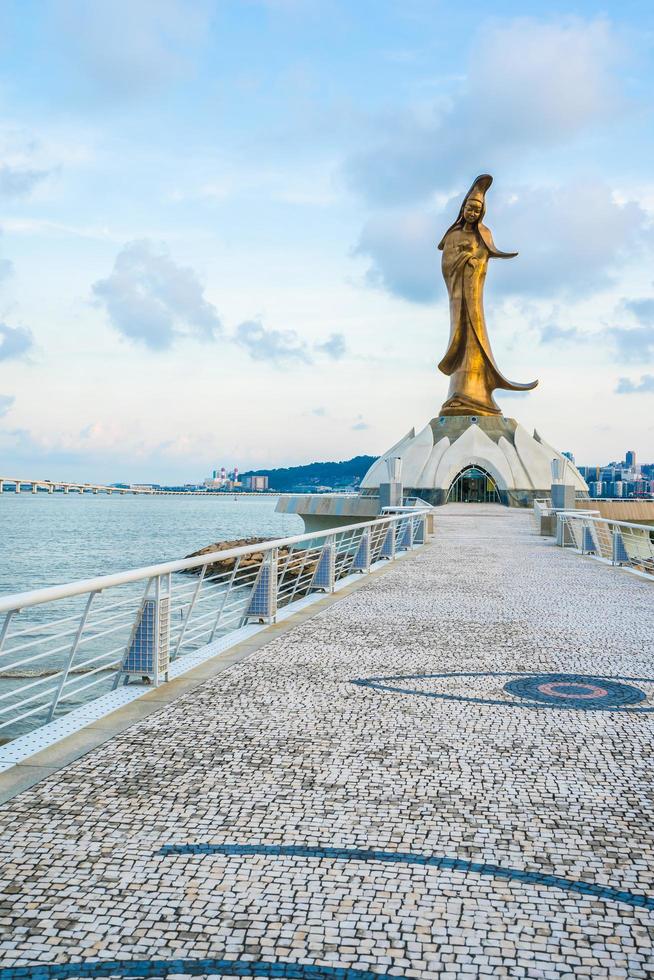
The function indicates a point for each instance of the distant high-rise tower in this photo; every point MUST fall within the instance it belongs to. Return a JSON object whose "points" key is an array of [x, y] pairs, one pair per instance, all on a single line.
{"points": [[630, 459]]}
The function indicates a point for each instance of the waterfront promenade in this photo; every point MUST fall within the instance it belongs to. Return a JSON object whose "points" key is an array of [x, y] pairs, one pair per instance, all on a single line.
{"points": [[446, 772]]}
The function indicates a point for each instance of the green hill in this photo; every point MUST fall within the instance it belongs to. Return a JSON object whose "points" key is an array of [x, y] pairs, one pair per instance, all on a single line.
{"points": [[345, 474]]}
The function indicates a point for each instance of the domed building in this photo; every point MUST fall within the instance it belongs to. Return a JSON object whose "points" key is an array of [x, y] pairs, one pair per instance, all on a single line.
{"points": [[482, 459]]}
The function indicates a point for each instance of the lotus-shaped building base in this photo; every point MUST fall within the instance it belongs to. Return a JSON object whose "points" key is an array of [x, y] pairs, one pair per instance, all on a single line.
{"points": [[473, 458]]}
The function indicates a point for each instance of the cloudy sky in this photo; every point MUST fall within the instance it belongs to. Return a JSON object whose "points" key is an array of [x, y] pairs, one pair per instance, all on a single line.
{"points": [[219, 218]]}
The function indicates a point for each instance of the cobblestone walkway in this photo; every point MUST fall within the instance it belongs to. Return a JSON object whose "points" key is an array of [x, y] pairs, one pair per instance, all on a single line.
{"points": [[446, 773]]}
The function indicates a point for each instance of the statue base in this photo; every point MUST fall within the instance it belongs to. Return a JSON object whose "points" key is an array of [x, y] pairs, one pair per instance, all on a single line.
{"points": [[517, 465], [457, 405]]}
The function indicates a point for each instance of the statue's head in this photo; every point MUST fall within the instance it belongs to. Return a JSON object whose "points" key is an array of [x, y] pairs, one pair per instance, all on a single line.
{"points": [[473, 207], [472, 212]]}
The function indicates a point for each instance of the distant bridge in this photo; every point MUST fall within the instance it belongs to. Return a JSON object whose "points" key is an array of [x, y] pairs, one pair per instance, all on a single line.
{"points": [[16, 485]]}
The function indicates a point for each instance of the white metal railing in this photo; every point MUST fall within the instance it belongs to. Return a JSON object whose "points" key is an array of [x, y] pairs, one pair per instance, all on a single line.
{"points": [[620, 542], [542, 508], [62, 646]]}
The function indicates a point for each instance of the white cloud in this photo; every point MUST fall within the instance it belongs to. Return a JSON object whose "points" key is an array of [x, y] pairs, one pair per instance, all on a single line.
{"points": [[152, 300], [626, 386], [126, 48], [6, 401], [282, 347], [401, 246], [18, 182], [553, 334], [275, 346], [334, 347], [634, 344], [15, 342], [529, 85]]}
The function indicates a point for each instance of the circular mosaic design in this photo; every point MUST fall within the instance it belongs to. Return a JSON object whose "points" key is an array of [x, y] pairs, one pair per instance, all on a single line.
{"points": [[575, 691]]}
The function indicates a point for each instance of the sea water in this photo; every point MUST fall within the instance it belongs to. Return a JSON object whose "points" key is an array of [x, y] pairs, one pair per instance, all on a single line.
{"points": [[50, 539]]}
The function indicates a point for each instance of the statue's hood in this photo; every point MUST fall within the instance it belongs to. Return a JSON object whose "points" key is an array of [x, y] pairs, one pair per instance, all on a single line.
{"points": [[479, 187]]}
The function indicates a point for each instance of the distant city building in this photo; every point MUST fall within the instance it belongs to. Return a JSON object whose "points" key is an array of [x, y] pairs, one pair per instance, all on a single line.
{"points": [[625, 480], [591, 474], [256, 483], [569, 456], [220, 479]]}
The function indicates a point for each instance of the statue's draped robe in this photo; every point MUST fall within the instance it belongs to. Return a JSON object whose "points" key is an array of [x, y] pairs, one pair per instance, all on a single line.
{"points": [[469, 359]]}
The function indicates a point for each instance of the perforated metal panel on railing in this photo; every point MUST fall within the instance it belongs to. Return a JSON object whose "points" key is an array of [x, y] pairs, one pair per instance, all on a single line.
{"points": [[405, 535], [619, 551], [323, 577], [588, 541], [263, 604], [148, 651], [560, 531], [420, 530], [361, 561], [388, 547]]}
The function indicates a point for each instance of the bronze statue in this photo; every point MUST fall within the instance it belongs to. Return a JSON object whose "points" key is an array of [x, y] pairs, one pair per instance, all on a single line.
{"points": [[467, 246]]}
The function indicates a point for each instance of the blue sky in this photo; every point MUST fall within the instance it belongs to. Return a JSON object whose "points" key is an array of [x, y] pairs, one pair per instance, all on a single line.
{"points": [[218, 224]]}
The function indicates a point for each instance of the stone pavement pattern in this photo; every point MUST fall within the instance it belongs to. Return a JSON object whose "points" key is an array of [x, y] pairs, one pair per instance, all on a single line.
{"points": [[291, 774]]}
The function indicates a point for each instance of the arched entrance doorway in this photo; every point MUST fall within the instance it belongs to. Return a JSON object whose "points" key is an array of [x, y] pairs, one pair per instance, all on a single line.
{"points": [[473, 486]]}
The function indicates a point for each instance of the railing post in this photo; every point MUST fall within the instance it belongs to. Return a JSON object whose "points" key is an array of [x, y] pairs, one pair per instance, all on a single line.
{"points": [[388, 547], [618, 550], [5, 626], [325, 572], [71, 656], [361, 561], [263, 602], [162, 628], [148, 649], [405, 533], [420, 531], [588, 545]]}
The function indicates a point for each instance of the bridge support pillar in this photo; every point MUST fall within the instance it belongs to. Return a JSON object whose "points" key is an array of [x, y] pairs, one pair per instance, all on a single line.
{"points": [[34, 488]]}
